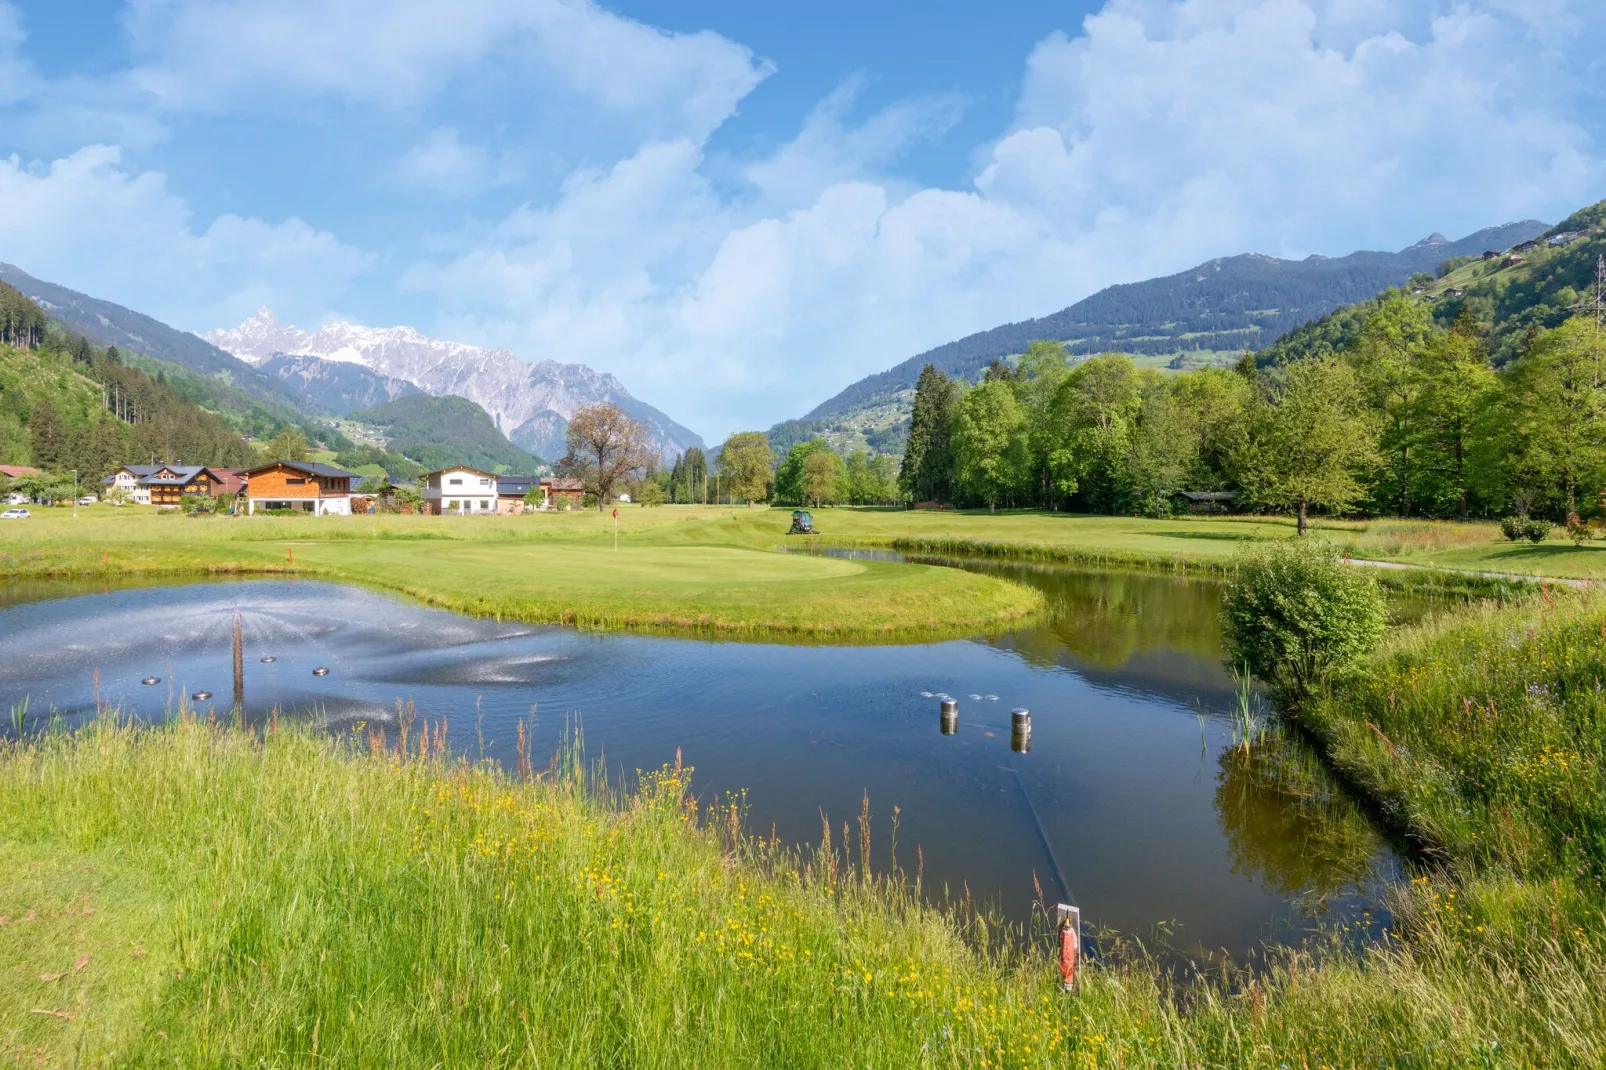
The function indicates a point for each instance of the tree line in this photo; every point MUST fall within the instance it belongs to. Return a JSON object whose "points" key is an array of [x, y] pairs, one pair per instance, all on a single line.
{"points": [[22, 323], [1402, 416]]}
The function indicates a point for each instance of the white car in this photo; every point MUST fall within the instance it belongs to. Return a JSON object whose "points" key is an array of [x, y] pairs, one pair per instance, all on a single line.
{"points": [[88, 499], [15, 514]]}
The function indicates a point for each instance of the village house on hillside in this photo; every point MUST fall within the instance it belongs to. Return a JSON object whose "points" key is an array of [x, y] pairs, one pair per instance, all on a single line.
{"points": [[166, 484], [460, 491], [320, 489]]}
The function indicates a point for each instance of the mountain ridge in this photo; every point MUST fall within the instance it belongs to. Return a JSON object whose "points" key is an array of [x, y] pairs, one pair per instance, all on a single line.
{"points": [[1223, 305], [530, 402]]}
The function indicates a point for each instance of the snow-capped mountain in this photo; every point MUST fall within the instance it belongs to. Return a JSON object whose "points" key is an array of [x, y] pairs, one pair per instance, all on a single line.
{"points": [[530, 402]]}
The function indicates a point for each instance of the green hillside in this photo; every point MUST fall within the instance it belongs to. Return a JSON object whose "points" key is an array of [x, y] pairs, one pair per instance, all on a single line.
{"points": [[1208, 314], [436, 432], [30, 381], [1508, 293]]}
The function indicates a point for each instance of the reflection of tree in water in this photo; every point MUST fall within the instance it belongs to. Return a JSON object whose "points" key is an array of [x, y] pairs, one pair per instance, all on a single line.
{"points": [[1286, 823], [1108, 617]]}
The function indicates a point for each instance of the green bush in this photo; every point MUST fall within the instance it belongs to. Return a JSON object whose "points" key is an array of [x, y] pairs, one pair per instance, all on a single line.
{"points": [[1297, 616], [1517, 528]]}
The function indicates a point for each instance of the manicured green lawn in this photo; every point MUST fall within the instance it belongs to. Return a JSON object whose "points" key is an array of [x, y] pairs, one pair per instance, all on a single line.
{"points": [[706, 571], [715, 568]]}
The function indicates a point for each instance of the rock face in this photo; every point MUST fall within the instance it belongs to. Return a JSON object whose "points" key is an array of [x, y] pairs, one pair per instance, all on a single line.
{"points": [[531, 403], [340, 388]]}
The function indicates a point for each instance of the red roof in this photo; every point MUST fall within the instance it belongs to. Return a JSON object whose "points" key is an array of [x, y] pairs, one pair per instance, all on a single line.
{"points": [[229, 480], [17, 471]]}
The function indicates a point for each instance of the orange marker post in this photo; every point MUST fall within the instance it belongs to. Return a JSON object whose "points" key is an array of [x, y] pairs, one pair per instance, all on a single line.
{"points": [[1068, 919]]}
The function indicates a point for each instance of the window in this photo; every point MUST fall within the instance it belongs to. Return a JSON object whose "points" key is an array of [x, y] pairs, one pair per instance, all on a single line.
{"points": [[295, 482]]}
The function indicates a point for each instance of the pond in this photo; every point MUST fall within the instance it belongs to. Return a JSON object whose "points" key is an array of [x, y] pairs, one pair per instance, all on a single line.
{"points": [[1133, 792]]}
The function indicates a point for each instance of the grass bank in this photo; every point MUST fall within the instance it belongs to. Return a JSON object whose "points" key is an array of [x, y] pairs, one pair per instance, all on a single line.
{"points": [[200, 895], [704, 573]]}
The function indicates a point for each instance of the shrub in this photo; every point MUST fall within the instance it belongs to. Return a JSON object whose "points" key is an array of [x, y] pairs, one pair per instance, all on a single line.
{"points": [[1516, 528], [1296, 615]]}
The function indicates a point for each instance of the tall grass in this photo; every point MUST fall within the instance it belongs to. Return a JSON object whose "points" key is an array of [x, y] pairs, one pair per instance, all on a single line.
{"points": [[282, 899]]}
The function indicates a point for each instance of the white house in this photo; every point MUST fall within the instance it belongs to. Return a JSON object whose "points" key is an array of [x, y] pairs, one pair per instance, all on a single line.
{"points": [[459, 491], [127, 479]]}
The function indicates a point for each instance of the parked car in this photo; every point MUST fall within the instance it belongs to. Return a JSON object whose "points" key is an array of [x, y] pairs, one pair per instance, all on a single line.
{"points": [[15, 514], [88, 499]]}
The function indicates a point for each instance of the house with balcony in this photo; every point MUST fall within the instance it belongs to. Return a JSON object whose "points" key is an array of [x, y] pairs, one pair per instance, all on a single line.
{"points": [[459, 491]]}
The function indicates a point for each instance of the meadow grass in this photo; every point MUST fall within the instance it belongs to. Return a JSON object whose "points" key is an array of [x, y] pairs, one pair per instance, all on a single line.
{"points": [[204, 894]]}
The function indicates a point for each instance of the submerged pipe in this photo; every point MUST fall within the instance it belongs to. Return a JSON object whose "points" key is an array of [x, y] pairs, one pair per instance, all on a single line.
{"points": [[239, 665]]}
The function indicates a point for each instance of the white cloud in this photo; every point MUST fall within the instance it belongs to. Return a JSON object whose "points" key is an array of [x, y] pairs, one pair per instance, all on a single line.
{"points": [[85, 223], [830, 148], [218, 55], [16, 77], [1164, 134], [442, 163]]}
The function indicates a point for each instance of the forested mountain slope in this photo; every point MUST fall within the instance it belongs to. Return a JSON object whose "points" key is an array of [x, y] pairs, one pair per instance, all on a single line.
{"points": [[1535, 285], [65, 404], [441, 431], [253, 403], [1223, 306]]}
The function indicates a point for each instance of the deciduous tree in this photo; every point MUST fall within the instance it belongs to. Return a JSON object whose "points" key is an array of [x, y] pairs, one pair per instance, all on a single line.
{"points": [[745, 461], [1311, 436], [606, 449]]}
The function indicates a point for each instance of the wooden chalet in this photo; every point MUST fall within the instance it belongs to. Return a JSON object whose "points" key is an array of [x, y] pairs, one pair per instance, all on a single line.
{"points": [[167, 484], [319, 489], [562, 493]]}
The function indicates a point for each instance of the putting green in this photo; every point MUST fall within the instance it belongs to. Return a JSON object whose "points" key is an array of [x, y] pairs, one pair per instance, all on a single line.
{"points": [[520, 569]]}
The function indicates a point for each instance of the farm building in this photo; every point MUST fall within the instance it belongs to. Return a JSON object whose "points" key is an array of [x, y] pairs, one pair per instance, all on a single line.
{"points": [[319, 489], [460, 491], [563, 493]]}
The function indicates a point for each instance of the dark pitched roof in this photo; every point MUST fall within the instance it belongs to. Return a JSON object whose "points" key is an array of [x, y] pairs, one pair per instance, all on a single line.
{"points": [[312, 468], [519, 485], [181, 474]]}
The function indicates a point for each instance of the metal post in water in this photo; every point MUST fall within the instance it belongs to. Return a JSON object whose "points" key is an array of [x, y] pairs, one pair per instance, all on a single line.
{"points": [[950, 716], [239, 665], [1020, 730]]}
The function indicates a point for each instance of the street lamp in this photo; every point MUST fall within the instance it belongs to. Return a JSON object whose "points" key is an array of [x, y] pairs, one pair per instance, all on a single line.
{"points": [[75, 494]]}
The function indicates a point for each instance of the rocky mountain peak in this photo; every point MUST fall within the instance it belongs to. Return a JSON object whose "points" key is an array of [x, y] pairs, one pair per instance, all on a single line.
{"points": [[530, 402]]}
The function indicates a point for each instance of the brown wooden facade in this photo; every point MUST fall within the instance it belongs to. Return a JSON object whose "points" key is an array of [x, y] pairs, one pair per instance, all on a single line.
{"points": [[279, 480]]}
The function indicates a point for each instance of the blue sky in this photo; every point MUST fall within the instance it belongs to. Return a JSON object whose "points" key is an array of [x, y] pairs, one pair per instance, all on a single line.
{"points": [[740, 208]]}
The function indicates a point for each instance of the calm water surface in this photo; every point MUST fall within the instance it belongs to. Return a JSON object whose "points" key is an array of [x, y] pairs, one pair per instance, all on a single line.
{"points": [[1132, 788]]}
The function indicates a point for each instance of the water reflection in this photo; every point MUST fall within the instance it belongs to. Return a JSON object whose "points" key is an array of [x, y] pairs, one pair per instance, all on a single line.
{"points": [[1126, 783], [1289, 828]]}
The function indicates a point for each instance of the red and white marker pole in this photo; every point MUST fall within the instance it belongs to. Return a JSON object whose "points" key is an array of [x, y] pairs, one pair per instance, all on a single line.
{"points": [[1068, 922]]}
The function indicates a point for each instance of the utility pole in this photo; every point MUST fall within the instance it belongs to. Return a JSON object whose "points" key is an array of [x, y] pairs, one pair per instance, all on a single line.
{"points": [[75, 494], [1595, 304]]}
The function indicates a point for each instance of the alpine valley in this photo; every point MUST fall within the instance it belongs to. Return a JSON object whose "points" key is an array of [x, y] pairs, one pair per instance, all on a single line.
{"points": [[357, 367]]}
